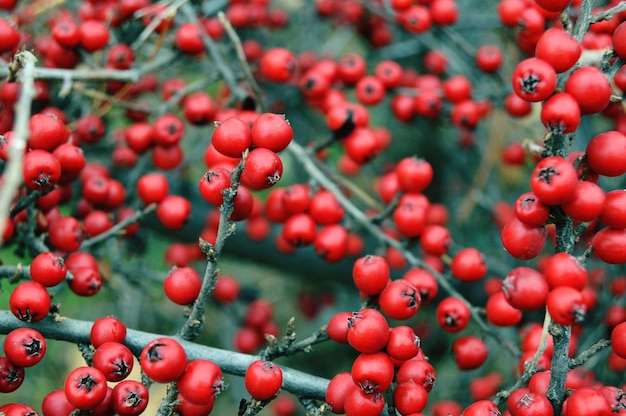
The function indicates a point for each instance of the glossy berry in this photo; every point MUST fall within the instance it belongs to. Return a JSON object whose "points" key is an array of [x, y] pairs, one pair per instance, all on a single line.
{"points": [[65, 234], [609, 245], [525, 288], [618, 339], [41, 170], [489, 58], [372, 372], [24, 347], [338, 388], [129, 398], [613, 212], [299, 230], [173, 211], [163, 360], [553, 180], [11, 376], [48, 269], [85, 387], [590, 88], [201, 382], [358, 403], [453, 314], [403, 343], [522, 241], [93, 35], [534, 80], [371, 274], [271, 131], [500, 312], [262, 169], [470, 352], [399, 300], [182, 285], [563, 269], [414, 174], [587, 202], [152, 187], [566, 305], [29, 301], [560, 114], [47, 132], [558, 48], [368, 331], [168, 130], [331, 242], [606, 153], [114, 360], [226, 289], [468, 265], [587, 401], [278, 65], [232, 137], [263, 379], [107, 329]]}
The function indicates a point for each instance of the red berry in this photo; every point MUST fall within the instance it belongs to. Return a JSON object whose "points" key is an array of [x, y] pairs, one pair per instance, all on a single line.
{"points": [[263, 379]]}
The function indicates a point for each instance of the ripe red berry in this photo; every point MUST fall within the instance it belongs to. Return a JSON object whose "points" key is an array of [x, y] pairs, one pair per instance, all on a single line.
{"points": [[470, 352], [29, 301], [372, 372], [24, 347], [468, 265], [48, 269], [163, 360], [590, 88], [368, 331], [182, 285], [94, 35], [232, 137], [566, 305], [85, 388], [271, 131], [534, 80], [114, 359], [606, 153], [522, 241], [399, 300], [453, 314], [278, 65], [609, 245], [525, 288], [558, 48], [371, 274], [338, 388], [560, 113], [262, 169], [107, 329], [263, 379], [152, 187], [174, 211], [553, 180], [47, 132], [41, 170], [188, 39], [129, 398], [201, 382], [11, 376]]}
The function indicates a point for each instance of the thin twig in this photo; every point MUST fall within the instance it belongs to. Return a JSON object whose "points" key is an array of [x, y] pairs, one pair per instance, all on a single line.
{"points": [[13, 172], [241, 56], [117, 229]]}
